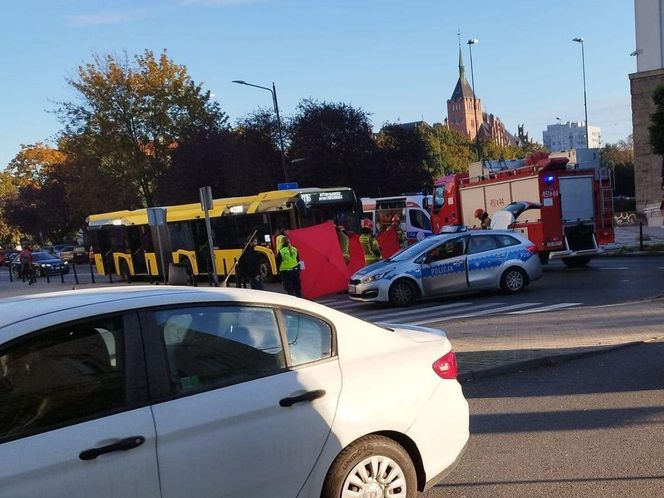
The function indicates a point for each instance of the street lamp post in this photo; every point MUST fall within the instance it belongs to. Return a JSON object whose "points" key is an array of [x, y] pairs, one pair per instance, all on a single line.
{"points": [[585, 102], [273, 91], [472, 42]]}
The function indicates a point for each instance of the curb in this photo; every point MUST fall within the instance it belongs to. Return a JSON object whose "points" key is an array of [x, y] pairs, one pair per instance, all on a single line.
{"points": [[533, 363]]}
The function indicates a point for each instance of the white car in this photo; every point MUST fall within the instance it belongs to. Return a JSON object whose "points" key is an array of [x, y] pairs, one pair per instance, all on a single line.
{"points": [[174, 391]]}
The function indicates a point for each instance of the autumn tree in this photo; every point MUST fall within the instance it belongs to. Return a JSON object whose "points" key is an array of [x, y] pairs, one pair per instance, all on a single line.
{"points": [[9, 234], [620, 157], [134, 112], [34, 163]]}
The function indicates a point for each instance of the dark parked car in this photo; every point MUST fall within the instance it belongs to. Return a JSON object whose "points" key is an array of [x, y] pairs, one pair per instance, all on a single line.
{"points": [[43, 263]]}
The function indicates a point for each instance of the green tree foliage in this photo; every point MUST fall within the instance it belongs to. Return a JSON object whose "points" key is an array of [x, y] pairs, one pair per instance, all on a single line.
{"points": [[406, 159], [8, 191], [134, 112], [620, 156], [451, 152], [656, 129], [333, 145]]}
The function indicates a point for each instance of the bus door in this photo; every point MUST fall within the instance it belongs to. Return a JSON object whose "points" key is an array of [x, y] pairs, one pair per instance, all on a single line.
{"points": [[136, 248]]}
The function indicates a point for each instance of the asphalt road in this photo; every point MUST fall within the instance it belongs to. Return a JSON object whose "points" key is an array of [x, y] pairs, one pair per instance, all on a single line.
{"points": [[585, 428]]}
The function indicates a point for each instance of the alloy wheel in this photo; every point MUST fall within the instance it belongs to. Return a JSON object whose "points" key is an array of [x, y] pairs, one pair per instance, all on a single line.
{"points": [[375, 477]]}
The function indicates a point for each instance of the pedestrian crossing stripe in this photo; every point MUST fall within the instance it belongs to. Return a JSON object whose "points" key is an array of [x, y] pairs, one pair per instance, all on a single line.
{"points": [[431, 312], [544, 308]]}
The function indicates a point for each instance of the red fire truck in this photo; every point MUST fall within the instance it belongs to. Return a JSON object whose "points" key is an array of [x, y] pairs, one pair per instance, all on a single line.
{"points": [[564, 209]]}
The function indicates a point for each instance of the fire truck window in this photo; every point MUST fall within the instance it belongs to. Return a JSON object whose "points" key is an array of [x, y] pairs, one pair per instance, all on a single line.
{"points": [[439, 197], [419, 220]]}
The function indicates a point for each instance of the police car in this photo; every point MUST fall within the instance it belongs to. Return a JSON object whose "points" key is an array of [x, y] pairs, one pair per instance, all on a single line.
{"points": [[450, 263]]}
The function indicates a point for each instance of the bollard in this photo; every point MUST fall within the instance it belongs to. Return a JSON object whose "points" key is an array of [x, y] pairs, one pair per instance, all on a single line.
{"points": [[11, 276], [92, 274], [110, 276], [641, 236], [48, 279], [75, 274], [62, 276]]}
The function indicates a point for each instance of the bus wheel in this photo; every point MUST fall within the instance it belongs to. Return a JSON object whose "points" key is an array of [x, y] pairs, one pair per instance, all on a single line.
{"points": [[577, 262], [125, 275], [265, 269]]}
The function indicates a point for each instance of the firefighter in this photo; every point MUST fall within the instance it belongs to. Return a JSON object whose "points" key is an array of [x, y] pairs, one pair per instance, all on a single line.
{"points": [[483, 216], [396, 225], [369, 243], [279, 239], [344, 242]]}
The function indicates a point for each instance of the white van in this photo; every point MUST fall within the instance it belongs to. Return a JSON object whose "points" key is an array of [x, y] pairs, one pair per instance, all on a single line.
{"points": [[412, 209]]}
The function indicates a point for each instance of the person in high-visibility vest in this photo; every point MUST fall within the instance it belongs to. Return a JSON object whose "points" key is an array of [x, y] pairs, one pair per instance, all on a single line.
{"points": [[344, 242], [289, 267], [369, 243], [279, 240]]}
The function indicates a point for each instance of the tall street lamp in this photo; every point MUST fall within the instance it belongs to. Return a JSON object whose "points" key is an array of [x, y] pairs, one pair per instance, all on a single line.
{"points": [[273, 91], [585, 102], [472, 42]]}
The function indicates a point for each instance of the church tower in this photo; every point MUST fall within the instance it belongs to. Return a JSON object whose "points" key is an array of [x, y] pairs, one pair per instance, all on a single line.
{"points": [[461, 115]]}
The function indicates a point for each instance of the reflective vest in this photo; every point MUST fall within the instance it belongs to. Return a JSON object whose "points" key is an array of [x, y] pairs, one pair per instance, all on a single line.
{"points": [[288, 258], [279, 243], [370, 248]]}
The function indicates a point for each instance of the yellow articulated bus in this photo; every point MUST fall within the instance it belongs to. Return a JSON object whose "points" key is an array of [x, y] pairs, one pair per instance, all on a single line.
{"points": [[126, 245]]}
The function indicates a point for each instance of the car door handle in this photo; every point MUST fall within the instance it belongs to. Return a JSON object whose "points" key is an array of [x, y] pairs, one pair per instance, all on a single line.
{"points": [[308, 396], [122, 445]]}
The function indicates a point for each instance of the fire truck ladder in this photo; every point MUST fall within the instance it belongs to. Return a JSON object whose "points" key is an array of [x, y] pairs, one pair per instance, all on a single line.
{"points": [[606, 197]]}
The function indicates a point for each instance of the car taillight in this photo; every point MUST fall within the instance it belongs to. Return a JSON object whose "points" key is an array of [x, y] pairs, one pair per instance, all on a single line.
{"points": [[532, 249], [446, 366]]}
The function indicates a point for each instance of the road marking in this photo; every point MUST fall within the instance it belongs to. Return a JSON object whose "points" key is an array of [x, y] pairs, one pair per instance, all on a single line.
{"points": [[544, 308], [411, 313], [342, 305], [613, 267], [479, 313]]}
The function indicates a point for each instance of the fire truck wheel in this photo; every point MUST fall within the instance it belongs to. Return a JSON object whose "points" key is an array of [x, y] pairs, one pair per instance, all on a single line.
{"points": [[514, 280], [578, 262], [402, 293]]}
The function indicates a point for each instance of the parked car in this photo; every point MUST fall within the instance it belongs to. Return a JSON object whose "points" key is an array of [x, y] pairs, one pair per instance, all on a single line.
{"points": [[450, 263], [65, 253], [43, 263], [202, 392], [9, 256]]}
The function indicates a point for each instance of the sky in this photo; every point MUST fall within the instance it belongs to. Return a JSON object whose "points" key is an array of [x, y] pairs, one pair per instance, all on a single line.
{"points": [[395, 59]]}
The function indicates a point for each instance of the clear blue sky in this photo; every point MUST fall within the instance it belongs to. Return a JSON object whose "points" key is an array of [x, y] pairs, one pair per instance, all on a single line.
{"points": [[395, 59]]}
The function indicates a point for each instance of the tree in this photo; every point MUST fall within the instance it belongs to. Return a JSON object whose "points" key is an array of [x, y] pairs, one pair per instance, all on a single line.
{"points": [[407, 159], [133, 113], [34, 163], [620, 156], [656, 129], [451, 151], [9, 234], [334, 146]]}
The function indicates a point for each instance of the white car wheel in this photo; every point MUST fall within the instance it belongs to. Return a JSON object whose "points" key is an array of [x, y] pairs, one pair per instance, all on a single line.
{"points": [[379, 468]]}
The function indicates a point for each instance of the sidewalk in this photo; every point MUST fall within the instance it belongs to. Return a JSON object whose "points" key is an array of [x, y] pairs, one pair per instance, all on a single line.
{"points": [[628, 236], [505, 343]]}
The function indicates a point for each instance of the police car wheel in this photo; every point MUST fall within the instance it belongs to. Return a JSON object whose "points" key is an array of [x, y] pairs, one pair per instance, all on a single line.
{"points": [[402, 293], [513, 280]]}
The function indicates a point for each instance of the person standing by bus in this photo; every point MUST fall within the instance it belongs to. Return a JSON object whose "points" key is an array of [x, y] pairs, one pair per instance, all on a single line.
{"points": [[369, 243], [279, 239], [288, 262], [249, 265]]}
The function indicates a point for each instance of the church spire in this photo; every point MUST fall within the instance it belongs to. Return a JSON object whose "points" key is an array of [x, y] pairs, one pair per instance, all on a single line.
{"points": [[462, 71]]}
